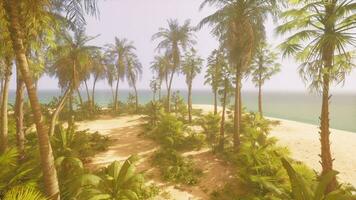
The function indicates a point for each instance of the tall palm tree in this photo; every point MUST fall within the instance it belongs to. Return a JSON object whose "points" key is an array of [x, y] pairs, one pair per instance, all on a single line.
{"points": [[174, 40], [14, 10], [133, 73], [322, 31], [161, 66], [98, 70], [239, 26], [263, 67], [117, 53], [215, 63], [191, 67], [225, 90], [73, 60]]}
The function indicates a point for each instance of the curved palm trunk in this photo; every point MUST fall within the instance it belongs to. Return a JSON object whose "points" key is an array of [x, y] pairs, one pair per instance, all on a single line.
{"points": [[87, 90], [93, 93], [46, 155], [80, 97], [237, 113], [58, 110], [136, 98], [19, 115], [71, 111], [4, 106], [190, 107]]}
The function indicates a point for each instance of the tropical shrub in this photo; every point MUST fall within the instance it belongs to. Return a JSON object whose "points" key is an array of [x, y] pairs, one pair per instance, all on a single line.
{"points": [[24, 193], [175, 167], [13, 174], [120, 181], [211, 127], [305, 190]]}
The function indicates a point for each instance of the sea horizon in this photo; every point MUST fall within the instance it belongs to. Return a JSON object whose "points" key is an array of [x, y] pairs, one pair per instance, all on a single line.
{"points": [[290, 105]]}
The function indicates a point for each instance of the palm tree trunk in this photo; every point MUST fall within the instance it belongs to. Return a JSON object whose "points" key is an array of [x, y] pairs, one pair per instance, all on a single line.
{"points": [[260, 99], [116, 105], [190, 102], [87, 90], [71, 111], [19, 115], [136, 97], [58, 110], [4, 106], [215, 102], [326, 159], [93, 93], [46, 155], [222, 123], [80, 97], [237, 112], [169, 93]]}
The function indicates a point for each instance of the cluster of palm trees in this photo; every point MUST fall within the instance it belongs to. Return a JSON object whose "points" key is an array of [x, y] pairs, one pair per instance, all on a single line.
{"points": [[178, 56], [41, 37], [320, 36]]}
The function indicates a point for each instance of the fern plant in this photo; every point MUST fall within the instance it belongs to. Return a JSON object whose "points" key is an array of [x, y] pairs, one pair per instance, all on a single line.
{"points": [[303, 190]]}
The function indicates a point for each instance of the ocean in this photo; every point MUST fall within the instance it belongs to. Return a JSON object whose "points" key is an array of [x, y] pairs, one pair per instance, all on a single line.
{"points": [[296, 106]]}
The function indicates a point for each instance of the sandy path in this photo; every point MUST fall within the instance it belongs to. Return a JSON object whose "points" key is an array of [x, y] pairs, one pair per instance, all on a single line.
{"points": [[126, 130], [302, 139]]}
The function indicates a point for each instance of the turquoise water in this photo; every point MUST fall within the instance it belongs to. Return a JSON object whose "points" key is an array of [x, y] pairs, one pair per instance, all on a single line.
{"points": [[295, 106]]}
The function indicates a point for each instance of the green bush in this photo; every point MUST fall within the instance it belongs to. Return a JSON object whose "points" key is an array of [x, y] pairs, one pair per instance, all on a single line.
{"points": [[175, 167], [211, 127]]}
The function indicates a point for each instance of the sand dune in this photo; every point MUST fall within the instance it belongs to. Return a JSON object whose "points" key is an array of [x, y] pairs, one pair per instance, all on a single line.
{"points": [[303, 141]]}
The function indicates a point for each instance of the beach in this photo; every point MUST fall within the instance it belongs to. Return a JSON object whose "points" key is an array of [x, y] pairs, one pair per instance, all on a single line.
{"points": [[302, 140]]}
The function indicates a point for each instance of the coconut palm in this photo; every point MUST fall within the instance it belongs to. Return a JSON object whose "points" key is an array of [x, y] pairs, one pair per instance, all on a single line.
{"points": [[213, 72], [98, 70], [174, 40], [239, 26], [14, 11], [133, 74], [161, 67], [263, 67], [191, 67], [117, 54], [322, 31], [73, 60]]}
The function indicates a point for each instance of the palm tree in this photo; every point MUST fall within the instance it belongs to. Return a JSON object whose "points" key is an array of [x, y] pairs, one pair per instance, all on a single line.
{"points": [[322, 33], [213, 72], [14, 9], [191, 67], [239, 26], [161, 66], [117, 53], [99, 72], [263, 67], [133, 73], [225, 90], [73, 60], [173, 40]]}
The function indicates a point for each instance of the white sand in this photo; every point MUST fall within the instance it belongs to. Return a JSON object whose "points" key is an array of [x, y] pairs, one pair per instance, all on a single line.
{"points": [[302, 139]]}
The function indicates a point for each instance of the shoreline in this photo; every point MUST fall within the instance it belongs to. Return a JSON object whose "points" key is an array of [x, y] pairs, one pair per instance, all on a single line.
{"points": [[302, 139]]}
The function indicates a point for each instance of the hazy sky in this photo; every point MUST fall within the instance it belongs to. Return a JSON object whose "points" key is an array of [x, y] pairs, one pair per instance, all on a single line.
{"points": [[138, 20]]}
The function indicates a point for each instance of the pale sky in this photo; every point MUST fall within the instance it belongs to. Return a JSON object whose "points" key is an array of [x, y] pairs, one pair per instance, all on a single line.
{"points": [[138, 20]]}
